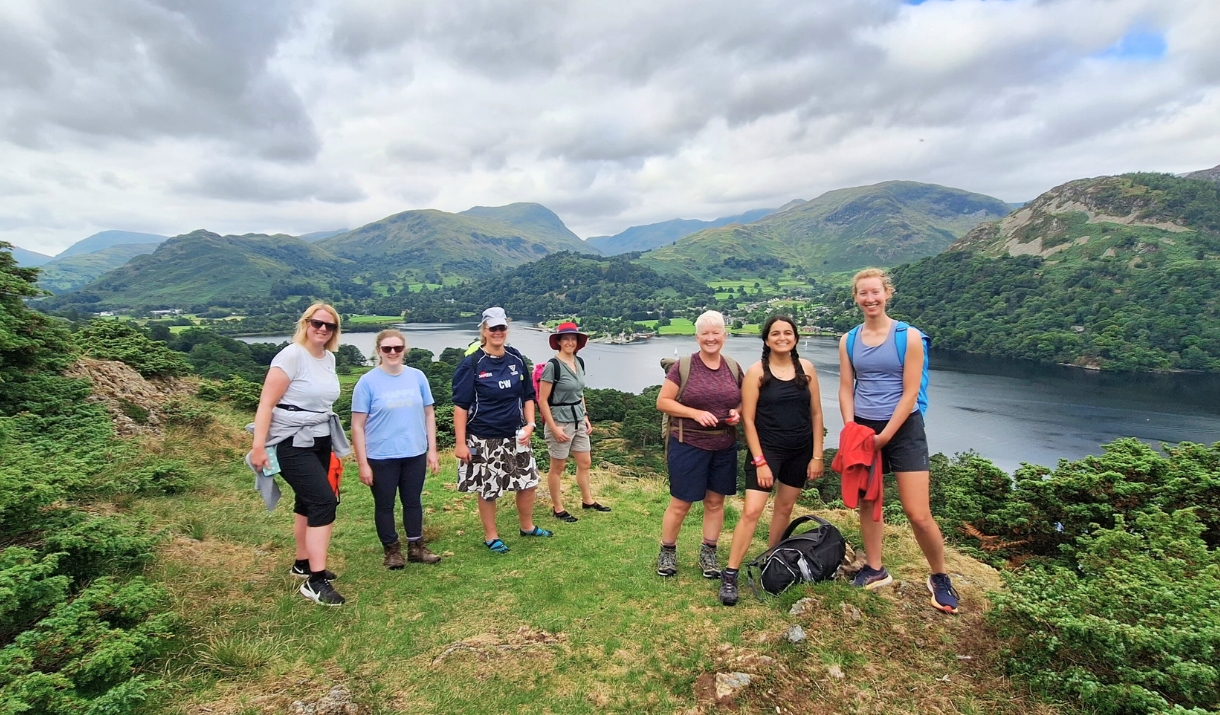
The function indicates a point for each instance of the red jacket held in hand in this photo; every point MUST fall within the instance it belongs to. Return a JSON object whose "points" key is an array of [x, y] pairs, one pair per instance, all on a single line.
{"points": [[859, 463]]}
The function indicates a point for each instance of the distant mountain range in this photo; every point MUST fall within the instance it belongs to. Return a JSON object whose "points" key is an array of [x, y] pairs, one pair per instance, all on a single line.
{"points": [[471, 243], [655, 235], [883, 224], [1212, 174], [29, 259], [108, 239], [65, 274]]}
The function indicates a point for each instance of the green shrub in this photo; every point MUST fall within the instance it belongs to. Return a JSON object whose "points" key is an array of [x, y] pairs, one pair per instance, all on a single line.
{"points": [[179, 413], [118, 340], [1134, 628], [236, 390], [29, 587], [90, 546]]}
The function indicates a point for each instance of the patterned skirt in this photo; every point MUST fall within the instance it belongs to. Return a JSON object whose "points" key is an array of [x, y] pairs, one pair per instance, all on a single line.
{"points": [[497, 465]]}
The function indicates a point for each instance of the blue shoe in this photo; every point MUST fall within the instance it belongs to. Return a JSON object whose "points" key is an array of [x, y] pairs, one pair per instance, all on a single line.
{"points": [[871, 579], [944, 598], [538, 531], [497, 546]]}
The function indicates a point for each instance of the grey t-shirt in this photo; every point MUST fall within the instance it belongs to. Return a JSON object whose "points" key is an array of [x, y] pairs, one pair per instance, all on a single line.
{"points": [[313, 385], [570, 387]]}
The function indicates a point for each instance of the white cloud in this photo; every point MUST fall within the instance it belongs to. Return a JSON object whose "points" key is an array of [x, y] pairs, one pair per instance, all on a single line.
{"points": [[165, 116]]}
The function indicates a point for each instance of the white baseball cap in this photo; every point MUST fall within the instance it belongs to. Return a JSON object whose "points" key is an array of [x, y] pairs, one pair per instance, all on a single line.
{"points": [[494, 316]]}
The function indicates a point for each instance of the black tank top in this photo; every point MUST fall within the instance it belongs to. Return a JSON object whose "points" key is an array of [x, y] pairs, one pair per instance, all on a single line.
{"points": [[783, 419]]}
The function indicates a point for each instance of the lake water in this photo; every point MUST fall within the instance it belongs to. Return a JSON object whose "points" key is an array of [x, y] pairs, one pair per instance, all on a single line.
{"points": [[1008, 411]]}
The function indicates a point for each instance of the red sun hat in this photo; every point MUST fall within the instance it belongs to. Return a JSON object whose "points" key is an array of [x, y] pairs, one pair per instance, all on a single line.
{"points": [[568, 329]]}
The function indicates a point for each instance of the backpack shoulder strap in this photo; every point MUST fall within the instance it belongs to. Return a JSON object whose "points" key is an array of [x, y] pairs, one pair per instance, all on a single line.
{"points": [[851, 346], [683, 375], [581, 360], [733, 367], [901, 345], [803, 520]]}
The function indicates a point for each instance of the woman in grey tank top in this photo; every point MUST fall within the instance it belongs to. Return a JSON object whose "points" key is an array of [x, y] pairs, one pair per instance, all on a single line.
{"points": [[880, 391]]}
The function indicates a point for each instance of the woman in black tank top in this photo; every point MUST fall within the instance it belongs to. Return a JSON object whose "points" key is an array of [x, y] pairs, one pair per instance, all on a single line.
{"points": [[781, 409]]}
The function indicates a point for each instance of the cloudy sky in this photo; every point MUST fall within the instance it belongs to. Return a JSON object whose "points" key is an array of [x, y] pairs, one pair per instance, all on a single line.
{"points": [[291, 116]]}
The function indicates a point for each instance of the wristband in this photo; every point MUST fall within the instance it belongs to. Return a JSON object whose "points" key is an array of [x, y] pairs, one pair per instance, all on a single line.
{"points": [[759, 461]]}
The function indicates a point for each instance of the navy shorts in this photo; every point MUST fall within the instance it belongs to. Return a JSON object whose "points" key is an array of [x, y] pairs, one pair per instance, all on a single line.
{"points": [[788, 466], [693, 472], [908, 450]]}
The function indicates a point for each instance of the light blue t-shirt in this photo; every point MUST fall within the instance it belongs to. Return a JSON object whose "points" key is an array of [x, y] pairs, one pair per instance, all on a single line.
{"points": [[395, 406]]}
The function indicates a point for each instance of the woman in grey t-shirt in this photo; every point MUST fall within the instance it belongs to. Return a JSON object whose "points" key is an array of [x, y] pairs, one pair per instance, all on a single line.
{"points": [[561, 398]]}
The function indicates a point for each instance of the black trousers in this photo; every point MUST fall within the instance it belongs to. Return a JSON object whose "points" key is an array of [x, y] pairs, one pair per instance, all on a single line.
{"points": [[404, 478], [305, 470]]}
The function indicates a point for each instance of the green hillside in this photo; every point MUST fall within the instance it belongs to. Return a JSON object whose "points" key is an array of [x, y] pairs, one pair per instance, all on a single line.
{"points": [[1119, 272], [883, 224], [108, 239], [468, 244], [655, 235], [202, 269], [65, 274]]}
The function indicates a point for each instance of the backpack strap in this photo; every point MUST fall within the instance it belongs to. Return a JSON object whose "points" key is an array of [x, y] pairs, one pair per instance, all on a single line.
{"points": [[683, 377], [550, 399], [851, 346], [803, 520], [901, 328], [734, 368]]}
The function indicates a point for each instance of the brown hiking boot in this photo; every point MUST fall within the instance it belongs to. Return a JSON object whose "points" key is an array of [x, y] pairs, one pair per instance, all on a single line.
{"points": [[393, 556], [419, 554]]}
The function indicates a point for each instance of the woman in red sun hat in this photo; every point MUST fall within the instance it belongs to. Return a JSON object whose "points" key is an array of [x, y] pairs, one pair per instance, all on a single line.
{"points": [[561, 398]]}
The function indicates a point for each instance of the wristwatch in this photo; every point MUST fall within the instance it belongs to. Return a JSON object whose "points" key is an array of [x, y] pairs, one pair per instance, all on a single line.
{"points": [[531, 424]]}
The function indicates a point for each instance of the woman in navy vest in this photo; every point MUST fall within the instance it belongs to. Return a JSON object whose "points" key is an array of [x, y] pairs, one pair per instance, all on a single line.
{"points": [[493, 419], [879, 390]]}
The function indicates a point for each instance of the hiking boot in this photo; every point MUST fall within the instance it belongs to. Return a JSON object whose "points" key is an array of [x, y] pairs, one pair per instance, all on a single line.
{"points": [[322, 593], [708, 561], [871, 579], [728, 589], [301, 570], [417, 553], [944, 598], [393, 556], [667, 562]]}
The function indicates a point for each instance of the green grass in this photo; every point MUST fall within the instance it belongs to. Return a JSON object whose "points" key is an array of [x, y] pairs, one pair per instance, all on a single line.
{"points": [[677, 326], [359, 319], [579, 623]]}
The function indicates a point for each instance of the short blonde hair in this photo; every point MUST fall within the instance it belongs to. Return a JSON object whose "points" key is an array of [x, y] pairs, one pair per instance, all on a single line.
{"points": [[709, 319], [873, 273], [390, 333], [302, 332]]}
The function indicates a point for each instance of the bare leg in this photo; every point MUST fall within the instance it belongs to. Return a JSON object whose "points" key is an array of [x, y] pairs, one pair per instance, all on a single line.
{"points": [[554, 482], [487, 515], [584, 460], [299, 524], [713, 516], [781, 513], [873, 533], [756, 501], [913, 491], [671, 523], [525, 508], [317, 542]]}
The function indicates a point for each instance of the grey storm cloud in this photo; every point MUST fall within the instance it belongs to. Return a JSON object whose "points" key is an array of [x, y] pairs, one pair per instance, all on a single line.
{"points": [[141, 69], [298, 116]]}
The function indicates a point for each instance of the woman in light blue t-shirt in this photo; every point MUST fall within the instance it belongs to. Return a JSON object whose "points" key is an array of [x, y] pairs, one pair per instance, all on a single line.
{"points": [[394, 437]]}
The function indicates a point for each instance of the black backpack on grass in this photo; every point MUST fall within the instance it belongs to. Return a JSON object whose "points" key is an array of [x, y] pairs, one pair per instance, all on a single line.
{"points": [[812, 555]]}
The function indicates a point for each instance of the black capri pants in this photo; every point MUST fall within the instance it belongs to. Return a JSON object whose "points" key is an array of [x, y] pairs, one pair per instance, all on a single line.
{"points": [[306, 469]]}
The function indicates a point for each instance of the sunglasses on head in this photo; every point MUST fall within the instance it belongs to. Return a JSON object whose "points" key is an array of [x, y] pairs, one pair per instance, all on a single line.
{"points": [[387, 349], [322, 324], [497, 328]]}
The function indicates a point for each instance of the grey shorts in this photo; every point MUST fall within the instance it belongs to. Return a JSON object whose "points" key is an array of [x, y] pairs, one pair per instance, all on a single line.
{"points": [[579, 433]]}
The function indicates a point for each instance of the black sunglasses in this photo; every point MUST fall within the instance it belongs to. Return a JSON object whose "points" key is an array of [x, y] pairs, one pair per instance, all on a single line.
{"points": [[497, 328], [320, 324], [387, 349]]}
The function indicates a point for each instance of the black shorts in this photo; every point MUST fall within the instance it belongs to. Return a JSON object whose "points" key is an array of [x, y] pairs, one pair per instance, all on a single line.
{"points": [[306, 469], [788, 466], [694, 472], [908, 450]]}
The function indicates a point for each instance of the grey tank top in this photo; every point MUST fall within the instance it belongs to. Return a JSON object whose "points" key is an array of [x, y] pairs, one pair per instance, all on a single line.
{"points": [[878, 377]]}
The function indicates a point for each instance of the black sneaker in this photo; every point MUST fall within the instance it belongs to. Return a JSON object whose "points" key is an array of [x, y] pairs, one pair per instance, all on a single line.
{"points": [[595, 507], [728, 589], [303, 572], [322, 593], [564, 516]]}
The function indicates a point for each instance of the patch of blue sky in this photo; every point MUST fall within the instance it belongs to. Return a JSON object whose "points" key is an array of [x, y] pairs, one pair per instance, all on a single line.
{"points": [[1137, 46]]}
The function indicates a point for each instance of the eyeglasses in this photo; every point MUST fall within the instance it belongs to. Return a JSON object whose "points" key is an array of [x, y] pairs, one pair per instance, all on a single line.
{"points": [[497, 328], [323, 325], [395, 349]]}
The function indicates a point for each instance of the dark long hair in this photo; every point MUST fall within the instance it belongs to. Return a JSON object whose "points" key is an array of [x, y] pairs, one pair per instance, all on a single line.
{"points": [[802, 380]]}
